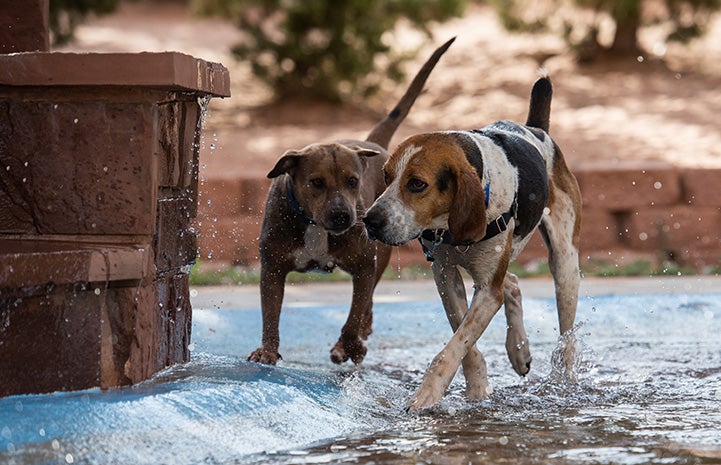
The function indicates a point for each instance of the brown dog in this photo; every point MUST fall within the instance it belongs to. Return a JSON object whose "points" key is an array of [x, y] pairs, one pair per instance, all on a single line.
{"points": [[312, 223]]}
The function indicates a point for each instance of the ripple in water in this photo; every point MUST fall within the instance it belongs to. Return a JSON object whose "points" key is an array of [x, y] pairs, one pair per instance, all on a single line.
{"points": [[646, 389]]}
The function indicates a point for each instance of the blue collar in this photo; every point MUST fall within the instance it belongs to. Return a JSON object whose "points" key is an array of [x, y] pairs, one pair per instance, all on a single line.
{"points": [[296, 208]]}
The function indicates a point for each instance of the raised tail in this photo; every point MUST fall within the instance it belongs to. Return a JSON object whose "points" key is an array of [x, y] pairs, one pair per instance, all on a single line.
{"points": [[539, 111], [382, 132]]}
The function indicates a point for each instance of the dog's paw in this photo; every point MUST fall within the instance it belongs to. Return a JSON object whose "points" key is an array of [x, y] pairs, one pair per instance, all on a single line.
{"points": [[264, 356], [519, 353], [347, 348], [476, 391], [423, 398]]}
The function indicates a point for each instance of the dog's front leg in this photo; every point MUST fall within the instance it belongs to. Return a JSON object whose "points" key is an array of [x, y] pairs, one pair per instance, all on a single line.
{"points": [[272, 286], [440, 373], [350, 345], [517, 347], [453, 295]]}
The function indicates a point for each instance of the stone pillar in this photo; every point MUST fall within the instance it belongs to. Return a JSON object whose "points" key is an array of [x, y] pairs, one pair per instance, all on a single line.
{"points": [[24, 26], [98, 188]]}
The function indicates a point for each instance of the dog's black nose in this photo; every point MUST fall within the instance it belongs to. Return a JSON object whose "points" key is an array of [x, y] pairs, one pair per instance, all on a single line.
{"points": [[339, 221], [374, 224]]}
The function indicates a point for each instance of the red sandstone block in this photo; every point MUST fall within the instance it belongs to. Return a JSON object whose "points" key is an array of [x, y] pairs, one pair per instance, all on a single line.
{"points": [[174, 243], [47, 345], [410, 254], [253, 192], [24, 26], [599, 230], [700, 259], [673, 229], [628, 187], [81, 175], [219, 198], [701, 187], [230, 239], [161, 327], [178, 139]]}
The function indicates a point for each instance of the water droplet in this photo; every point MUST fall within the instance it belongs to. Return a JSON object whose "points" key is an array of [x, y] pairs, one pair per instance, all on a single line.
{"points": [[503, 440], [55, 444], [657, 185], [97, 291], [75, 121], [69, 458]]}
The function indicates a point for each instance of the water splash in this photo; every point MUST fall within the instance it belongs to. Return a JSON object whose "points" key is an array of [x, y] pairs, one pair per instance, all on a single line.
{"points": [[644, 391]]}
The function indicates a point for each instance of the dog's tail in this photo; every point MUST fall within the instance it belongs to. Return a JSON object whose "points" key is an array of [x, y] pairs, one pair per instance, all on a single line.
{"points": [[382, 133], [539, 111]]}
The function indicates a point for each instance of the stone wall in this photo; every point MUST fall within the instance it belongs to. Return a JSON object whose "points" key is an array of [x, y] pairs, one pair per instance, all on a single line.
{"points": [[99, 157], [631, 211]]}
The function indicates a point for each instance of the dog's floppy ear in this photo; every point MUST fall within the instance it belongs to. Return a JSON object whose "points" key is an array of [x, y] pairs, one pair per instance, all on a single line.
{"points": [[286, 164], [467, 216], [364, 151]]}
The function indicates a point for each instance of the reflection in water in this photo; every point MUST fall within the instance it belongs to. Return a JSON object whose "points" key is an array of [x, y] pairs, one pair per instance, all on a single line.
{"points": [[648, 390]]}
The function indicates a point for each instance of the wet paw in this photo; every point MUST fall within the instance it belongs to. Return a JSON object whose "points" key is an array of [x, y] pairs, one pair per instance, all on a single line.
{"points": [[478, 391], [423, 398], [345, 349], [267, 357], [519, 353]]}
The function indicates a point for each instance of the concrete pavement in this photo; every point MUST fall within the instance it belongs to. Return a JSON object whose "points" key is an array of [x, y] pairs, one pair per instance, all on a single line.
{"points": [[336, 293]]}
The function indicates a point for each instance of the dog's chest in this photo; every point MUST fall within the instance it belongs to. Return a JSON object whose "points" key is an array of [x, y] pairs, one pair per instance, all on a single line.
{"points": [[315, 255]]}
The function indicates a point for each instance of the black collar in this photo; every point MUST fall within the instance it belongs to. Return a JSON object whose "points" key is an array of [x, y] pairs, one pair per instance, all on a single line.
{"points": [[442, 236], [296, 208]]}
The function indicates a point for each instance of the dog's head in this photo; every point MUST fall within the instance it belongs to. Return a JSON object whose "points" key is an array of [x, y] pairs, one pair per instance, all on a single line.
{"points": [[430, 185], [327, 182]]}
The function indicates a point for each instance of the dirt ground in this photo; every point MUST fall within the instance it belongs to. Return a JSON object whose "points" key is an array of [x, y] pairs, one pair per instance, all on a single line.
{"points": [[655, 108]]}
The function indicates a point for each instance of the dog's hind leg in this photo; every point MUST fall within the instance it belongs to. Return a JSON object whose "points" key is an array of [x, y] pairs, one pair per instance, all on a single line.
{"points": [[453, 295], [516, 339], [560, 230]]}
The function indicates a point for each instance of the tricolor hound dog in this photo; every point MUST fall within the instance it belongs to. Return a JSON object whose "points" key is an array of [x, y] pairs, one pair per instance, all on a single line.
{"points": [[474, 198]]}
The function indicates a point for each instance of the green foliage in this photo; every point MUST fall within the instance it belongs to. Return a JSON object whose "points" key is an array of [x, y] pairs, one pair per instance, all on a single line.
{"points": [[65, 15], [327, 49], [579, 21]]}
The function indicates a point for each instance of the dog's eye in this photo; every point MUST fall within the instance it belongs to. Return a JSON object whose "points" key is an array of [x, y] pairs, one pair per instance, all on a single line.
{"points": [[352, 181], [416, 185], [318, 183]]}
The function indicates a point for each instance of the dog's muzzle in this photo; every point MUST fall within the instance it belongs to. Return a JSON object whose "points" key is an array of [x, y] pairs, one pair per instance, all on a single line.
{"points": [[338, 221], [375, 223]]}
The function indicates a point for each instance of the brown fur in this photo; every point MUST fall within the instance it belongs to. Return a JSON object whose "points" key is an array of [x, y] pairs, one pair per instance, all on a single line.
{"points": [[332, 184]]}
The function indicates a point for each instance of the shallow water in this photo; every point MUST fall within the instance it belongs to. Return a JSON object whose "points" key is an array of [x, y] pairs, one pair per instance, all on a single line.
{"points": [[648, 390]]}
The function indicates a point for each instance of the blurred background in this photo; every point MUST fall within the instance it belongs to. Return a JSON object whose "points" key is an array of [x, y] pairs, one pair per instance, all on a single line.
{"points": [[636, 85]]}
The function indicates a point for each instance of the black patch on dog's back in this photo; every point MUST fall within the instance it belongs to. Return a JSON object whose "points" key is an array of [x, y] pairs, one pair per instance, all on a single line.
{"points": [[533, 191]]}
